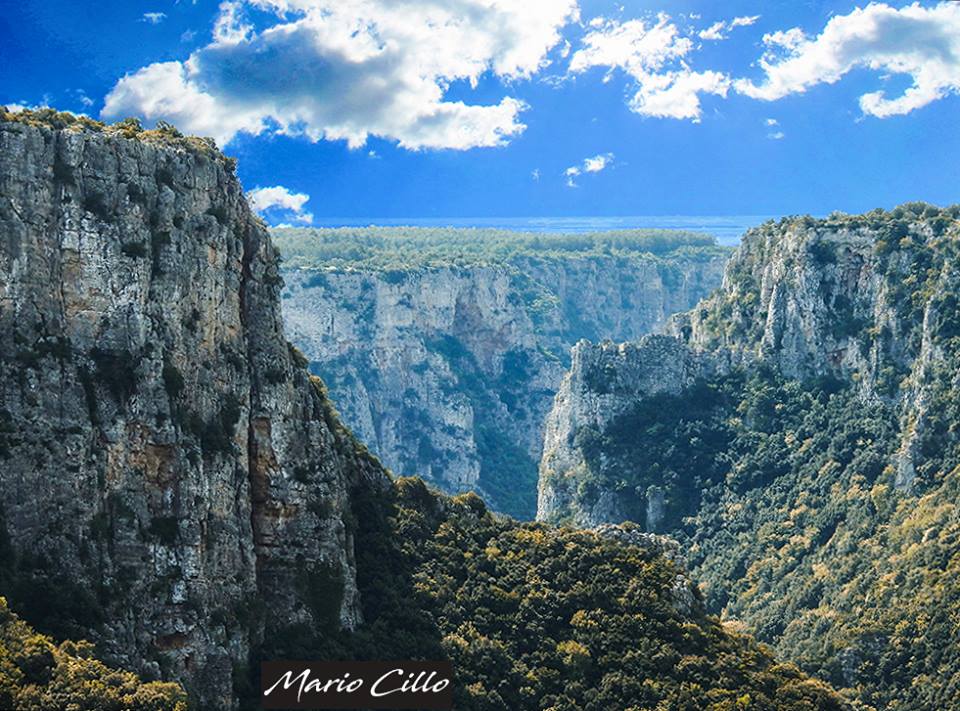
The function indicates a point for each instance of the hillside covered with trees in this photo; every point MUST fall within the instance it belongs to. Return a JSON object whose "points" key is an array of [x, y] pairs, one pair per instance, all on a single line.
{"points": [[38, 675], [176, 488], [535, 617], [405, 248], [809, 463]]}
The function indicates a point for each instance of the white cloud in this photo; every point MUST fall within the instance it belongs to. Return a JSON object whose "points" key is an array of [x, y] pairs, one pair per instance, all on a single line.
{"points": [[535, 175], [154, 18], [745, 21], [596, 164], [351, 69], [923, 43], [776, 135], [772, 122], [714, 31], [717, 31], [655, 56], [279, 199]]}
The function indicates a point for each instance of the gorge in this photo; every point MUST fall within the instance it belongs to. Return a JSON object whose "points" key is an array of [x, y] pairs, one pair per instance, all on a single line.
{"points": [[176, 487], [443, 349]]}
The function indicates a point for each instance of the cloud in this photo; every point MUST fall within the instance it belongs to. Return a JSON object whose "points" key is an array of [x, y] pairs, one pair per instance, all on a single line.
{"points": [[351, 69], [923, 43], [745, 21], [714, 32], [154, 18], [654, 55], [596, 164], [717, 31], [279, 200], [772, 122], [776, 135]]}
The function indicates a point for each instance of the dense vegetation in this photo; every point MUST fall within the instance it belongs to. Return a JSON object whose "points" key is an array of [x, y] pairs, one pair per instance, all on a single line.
{"points": [[38, 675], [821, 510], [397, 249], [535, 617], [164, 133]]}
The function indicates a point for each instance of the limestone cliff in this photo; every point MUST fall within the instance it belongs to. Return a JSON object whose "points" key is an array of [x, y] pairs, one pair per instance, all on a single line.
{"points": [[172, 484], [449, 372], [797, 433], [856, 299]]}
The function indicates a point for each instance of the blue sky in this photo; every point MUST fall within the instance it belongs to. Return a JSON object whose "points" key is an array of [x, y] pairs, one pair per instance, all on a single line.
{"points": [[427, 108]]}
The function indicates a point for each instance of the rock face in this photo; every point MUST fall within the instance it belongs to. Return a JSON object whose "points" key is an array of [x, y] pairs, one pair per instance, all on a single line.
{"points": [[810, 299], [449, 372], [602, 385], [797, 434], [172, 484]]}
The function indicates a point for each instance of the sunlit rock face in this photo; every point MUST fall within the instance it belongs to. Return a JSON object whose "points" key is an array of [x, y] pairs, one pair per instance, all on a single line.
{"points": [[450, 372], [810, 299]]}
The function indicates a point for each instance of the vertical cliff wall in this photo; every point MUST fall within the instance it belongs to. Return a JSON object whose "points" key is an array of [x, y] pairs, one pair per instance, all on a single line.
{"points": [[449, 372], [172, 483], [863, 301]]}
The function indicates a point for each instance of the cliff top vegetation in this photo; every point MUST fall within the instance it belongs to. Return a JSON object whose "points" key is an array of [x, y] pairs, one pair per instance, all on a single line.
{"points": [[163, 134], [404, 248]]}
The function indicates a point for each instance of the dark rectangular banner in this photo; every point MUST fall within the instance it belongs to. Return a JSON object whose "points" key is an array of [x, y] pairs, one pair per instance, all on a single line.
{"points": [[356, 685]]}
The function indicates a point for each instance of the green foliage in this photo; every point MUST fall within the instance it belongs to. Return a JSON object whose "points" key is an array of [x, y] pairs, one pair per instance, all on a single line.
{"points": [[38, 675], [534, 617], [130, 128], [507, 472], [821, 513], [297, 356], [673, 442], [215, 434], [397, 250], [321, 586], [135, 250], [165, 529], [172, 379], [117, 371]]}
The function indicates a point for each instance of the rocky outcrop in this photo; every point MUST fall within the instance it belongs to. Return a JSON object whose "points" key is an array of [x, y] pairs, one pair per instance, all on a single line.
{"points": [[449, 372], [603, 384], [808, 461], [846, 298], [172, 483]]}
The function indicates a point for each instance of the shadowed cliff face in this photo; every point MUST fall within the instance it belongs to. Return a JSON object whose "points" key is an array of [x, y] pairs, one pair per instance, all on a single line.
{"points": [[172, 483]]}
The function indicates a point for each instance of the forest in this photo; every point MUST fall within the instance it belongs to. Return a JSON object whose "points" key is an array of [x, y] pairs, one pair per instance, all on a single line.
{"points": [[402, 248], [534, 616], [815, 495]]}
